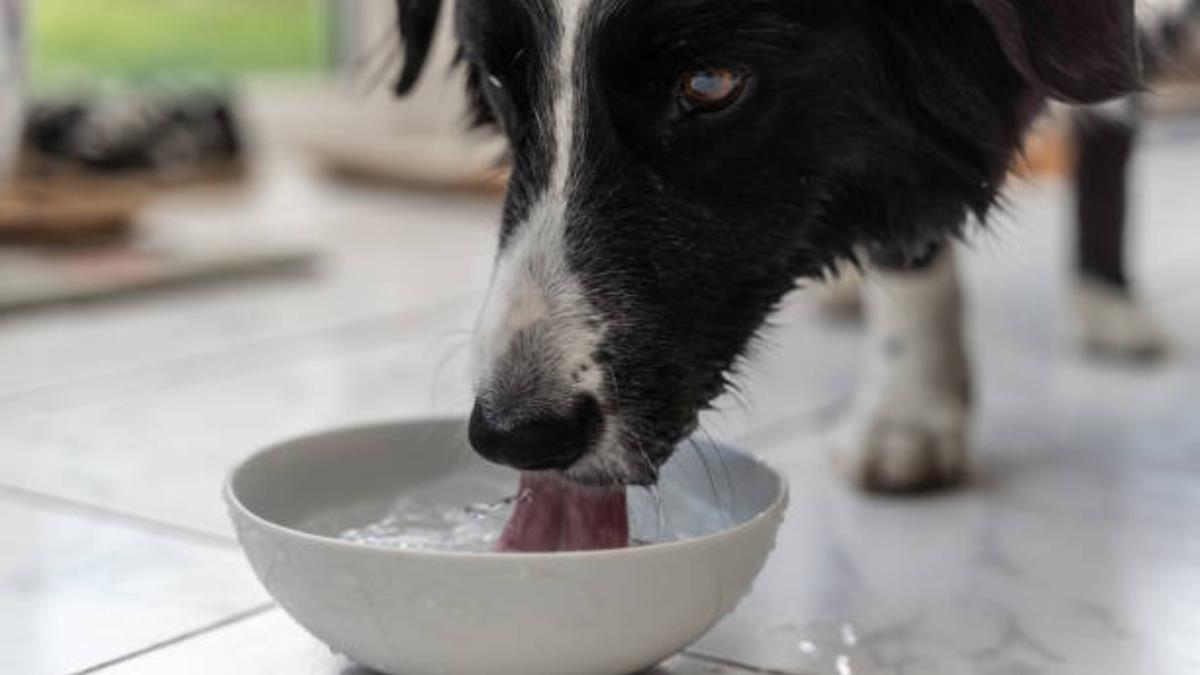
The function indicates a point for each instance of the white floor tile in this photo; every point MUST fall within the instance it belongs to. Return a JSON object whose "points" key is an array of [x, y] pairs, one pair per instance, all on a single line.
{"points": [[165, 454], [1074, 551], [271, 644], [76, 591]]}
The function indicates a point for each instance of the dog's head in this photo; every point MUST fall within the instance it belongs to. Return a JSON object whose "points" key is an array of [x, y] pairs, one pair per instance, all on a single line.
{"points": [[677, 165]]}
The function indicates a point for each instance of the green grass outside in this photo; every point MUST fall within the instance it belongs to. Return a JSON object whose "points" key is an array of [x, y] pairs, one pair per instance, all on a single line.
{"points": [[77, 42]]}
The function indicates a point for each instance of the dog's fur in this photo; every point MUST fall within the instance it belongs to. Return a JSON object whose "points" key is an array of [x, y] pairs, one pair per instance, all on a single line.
{"points": [[643, 243]]}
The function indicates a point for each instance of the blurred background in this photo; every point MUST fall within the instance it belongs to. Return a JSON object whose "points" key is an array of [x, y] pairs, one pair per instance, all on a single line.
{"points": [[218, 229], [131, 102]]}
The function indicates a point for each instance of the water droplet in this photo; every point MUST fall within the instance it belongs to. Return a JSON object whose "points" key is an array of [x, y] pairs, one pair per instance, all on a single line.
{"points": [[849, 636]]}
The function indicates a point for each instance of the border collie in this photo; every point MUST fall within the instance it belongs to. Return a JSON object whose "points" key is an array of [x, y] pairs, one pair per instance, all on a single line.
{"points": [[678, 166]]}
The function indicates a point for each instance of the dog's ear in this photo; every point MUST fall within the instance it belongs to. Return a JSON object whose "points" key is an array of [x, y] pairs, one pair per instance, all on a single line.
{"points": [[1077, 51], [418, 22]]}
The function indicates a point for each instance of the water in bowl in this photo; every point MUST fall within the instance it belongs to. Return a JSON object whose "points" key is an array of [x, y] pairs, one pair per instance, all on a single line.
{"points": [[437, 519], [425, 526]]}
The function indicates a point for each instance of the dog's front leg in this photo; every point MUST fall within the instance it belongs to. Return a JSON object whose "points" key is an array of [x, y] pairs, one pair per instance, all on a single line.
{"points": [[907, 430]]}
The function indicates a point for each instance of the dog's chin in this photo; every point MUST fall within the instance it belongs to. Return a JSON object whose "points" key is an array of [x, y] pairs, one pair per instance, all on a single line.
{"points": [[595, 470], [626, 459], [617, 465]]}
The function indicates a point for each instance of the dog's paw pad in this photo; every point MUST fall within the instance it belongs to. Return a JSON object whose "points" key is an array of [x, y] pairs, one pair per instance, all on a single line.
{"points": [[905, 455]]}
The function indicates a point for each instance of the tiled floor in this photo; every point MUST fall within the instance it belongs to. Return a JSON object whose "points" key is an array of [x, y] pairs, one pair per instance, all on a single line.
{"points": [[1075, 550]]}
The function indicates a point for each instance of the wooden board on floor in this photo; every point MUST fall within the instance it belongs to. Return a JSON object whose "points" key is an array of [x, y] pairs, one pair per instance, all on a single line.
{"points": [[37, 277]]}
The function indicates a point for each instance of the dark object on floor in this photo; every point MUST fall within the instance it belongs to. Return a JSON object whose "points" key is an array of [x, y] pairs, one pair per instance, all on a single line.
{"points": [[88, 166], [38, 277], [168, 138]]}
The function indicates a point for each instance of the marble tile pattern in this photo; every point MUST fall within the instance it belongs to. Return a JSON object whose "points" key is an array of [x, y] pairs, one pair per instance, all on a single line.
{"points": [[1075, 549], [77, 590], [271, 644]]}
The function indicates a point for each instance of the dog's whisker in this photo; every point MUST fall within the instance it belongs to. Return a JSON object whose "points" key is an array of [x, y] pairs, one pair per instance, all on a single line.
{"points": [[697, 447], [729, 484], [449, 354], [611, 378]]}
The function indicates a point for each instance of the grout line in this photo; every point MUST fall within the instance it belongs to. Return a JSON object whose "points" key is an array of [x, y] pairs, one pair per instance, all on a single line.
{"points": [[158, 646], [281, 349], [145, 523], [730, 663]]}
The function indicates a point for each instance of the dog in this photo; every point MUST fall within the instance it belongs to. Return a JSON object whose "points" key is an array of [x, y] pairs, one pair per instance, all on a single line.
{"points": [[679, 166]]}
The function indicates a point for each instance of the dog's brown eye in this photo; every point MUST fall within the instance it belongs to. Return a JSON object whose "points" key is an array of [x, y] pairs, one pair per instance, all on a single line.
{"points": [[708, 90]]}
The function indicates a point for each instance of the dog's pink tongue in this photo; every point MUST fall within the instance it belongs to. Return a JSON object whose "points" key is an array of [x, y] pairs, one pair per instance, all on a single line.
{"points": [[595, 519], [536, 523], [555, 515]]}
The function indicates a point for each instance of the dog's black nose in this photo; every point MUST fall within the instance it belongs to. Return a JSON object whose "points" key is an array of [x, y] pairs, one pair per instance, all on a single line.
{"points": [[546, 442]]}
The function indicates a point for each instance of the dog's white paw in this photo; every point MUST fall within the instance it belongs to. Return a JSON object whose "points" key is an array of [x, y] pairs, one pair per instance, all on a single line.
{"points": [[907, 430], [913, 446], [1112, 323]]}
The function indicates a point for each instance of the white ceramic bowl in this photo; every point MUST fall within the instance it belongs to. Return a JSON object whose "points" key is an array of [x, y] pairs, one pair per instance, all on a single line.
{"points": [[423, 612]]}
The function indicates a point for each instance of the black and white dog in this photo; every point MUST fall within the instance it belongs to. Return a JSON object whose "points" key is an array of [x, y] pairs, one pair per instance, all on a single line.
{"points": [[678, 166]]}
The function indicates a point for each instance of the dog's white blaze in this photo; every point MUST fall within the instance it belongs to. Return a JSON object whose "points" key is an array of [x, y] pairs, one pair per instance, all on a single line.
{"points": [[565, 99], [532, 282], [532, 285]]}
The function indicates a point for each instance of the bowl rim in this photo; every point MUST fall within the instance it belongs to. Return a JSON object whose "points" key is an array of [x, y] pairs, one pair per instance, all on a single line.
{"points": [[777, 507]]}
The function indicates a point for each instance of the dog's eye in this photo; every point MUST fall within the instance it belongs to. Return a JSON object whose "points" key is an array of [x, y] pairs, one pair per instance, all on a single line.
{"points": [[711, 90]]}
